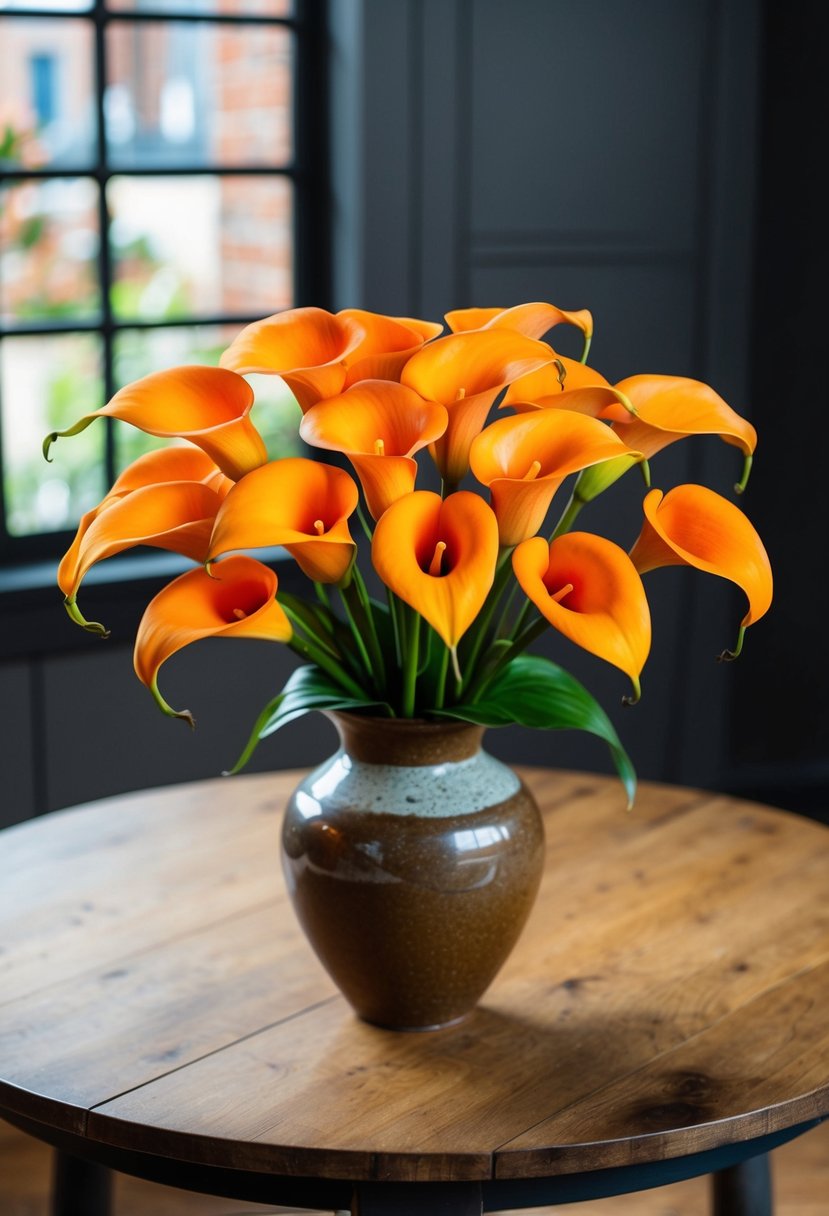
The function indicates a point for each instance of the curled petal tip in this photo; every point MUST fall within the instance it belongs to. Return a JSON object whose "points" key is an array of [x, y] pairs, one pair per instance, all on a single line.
{"points": [[646, 473], [728, 656], [636, 695], [743, 482], [47, 443], [77, 616], [184, 714]]}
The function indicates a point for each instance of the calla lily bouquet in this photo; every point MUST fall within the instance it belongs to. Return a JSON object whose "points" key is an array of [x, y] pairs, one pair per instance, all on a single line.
{"points": [[470, 577]]}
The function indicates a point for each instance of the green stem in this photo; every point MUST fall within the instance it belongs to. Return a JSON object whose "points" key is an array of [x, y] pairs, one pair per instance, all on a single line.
{"points": [[322, 595], [366, 526], [524, 639], [314, 654], [586, 351], [481, 626], [347, 595], [372, 637], [410, 663], [569, 515], [395, 607], [440, 688]]}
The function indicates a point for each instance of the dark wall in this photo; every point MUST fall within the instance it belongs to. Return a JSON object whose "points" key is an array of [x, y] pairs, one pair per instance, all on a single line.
{"points": [[781, 709]]}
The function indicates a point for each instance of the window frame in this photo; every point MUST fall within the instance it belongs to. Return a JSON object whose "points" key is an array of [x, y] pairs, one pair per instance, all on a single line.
{"points": [[308, 172]]}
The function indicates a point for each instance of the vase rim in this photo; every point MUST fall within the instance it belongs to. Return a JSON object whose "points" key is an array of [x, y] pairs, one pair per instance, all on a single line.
{"points": [[405, 741]]}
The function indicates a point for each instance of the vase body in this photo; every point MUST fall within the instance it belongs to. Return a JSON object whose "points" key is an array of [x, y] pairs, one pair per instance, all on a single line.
{"points": [[413, 859]]}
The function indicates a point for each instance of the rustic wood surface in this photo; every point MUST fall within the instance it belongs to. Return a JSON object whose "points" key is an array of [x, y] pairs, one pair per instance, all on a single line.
{"points": [[667, 996], [801, 1187]]}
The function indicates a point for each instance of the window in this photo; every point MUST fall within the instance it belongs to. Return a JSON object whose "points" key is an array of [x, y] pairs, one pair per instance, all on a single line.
{"points": [[161, 184]]}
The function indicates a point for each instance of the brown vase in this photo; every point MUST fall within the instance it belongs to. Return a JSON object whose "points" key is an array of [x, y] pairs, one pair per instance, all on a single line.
{"points": [[413, 858]]}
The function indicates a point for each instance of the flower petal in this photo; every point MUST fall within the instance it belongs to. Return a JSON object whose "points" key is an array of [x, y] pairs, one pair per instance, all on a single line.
{"points": [[379, 425], [301, 504], [387, 345], [179, 463], [236, 600], [525, 458], [406, 547], [605, 611], [465, 372], [567, 385], [693, 526], [533, 320], [206, 405], [307, 347]]}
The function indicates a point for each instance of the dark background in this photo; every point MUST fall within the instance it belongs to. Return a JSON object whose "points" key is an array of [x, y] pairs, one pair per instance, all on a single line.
{"points": [[653, 162]]}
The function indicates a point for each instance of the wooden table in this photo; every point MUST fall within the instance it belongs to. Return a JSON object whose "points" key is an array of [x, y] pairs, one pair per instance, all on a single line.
{"points": [[664, 1014]]}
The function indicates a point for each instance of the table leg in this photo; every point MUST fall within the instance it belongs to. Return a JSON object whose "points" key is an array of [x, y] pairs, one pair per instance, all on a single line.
{"points": [[744, 1189], [417, 1198], [79, 1188]]}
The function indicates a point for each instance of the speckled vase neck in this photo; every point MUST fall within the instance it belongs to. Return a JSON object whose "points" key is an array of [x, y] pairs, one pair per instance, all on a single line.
{"points": [[412, 858], [402, 742]]}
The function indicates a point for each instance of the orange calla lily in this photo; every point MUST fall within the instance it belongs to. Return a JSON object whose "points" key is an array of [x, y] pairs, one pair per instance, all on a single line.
{"points": [[179, 463], [669, 408], [174, 515], [589, 589], [567, 385], [300, 504], [182, 463], [438, 555], [533, 320], [524, 460], [379, 425], [387, 345], [307, 347], [693, 526], [236, 600], [206, 405], [466, 372]]}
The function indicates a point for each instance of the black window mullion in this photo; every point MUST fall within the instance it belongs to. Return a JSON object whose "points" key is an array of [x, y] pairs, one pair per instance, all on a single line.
{"points": [[104, 256]]}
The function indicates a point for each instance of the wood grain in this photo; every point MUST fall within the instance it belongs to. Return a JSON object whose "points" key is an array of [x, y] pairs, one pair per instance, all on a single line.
{"points": [[666, 996], [801, 1184]]}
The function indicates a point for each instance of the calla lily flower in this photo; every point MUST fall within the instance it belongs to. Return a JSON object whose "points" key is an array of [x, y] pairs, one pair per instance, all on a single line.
{"points": [[669, 408], [568, 385], [693, 526], [206, 405], [236, 600], [438, 555], [174, 515], [176, 464], [307, 347], [533, 320], [387, 346], [300, 504], [525, 458], [466, 372], [379, 425], [589, 590]]}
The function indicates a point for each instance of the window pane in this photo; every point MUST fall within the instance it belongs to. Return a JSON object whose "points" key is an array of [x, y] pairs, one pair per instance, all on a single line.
{"points": [[245, 8], [48, 250], [47, 109], [193, 94], [139, 352], [46, 385], [201, 245]]}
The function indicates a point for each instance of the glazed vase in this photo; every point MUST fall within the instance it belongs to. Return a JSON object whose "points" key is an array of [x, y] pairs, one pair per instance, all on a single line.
{"points": [[413, 859]]}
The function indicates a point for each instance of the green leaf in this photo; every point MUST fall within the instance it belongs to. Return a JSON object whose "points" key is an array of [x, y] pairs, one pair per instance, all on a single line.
{"points": [[532, 691], [308, 688]]}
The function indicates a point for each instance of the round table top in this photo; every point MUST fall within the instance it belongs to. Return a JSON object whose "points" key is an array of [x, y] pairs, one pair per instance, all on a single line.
{"points": [[668, 995]]}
